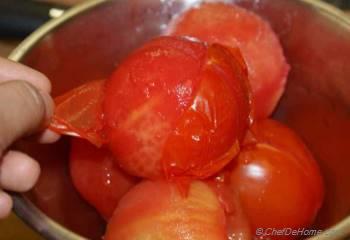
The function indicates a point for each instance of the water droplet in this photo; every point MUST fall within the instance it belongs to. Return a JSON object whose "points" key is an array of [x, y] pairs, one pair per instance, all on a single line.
{"points": [[196, 138]]}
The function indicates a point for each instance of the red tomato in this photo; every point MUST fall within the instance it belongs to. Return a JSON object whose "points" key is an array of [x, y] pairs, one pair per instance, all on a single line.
{"points": [[156, 210], [176, 107], [277, 179], [79, 112], [233, 26], [96, 176]]}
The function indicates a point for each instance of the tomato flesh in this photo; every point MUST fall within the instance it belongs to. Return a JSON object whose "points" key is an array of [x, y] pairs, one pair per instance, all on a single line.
{"points": [[95, 175], [144, 98], [156, 210], [234, 26], [177, 108]]}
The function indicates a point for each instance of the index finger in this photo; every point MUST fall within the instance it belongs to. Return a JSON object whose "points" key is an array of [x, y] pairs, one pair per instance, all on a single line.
{"points": [[10, 70]]}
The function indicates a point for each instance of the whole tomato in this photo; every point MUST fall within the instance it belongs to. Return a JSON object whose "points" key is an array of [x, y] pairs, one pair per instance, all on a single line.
{"points": [[157, 210], [96, 176], [233, 26], [177, 108], [276, 178]]}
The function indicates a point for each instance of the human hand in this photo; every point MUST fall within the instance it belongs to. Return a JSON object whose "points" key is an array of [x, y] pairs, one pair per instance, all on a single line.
{"points": [[25, 107]]}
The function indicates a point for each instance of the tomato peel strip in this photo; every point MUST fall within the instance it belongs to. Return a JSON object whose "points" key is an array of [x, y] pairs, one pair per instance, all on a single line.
{"points": [[79, 113]]}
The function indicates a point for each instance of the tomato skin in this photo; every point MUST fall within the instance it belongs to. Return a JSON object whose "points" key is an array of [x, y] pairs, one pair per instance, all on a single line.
{"points": [[209, 132], [233, 26], [277, 179], [156, 210], [174, 107], [95, 175], [79, 113]]}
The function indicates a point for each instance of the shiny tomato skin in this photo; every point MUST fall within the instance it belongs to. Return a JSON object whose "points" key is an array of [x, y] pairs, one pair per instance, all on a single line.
{"points": [[157, 210], [233, 26], [277, 179], [209, 132], [177, 108], [79, 112], [96, 176]]}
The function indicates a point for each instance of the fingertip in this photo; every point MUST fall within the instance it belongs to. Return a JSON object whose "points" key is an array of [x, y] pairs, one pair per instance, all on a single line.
{"points": [[46, 83], [48, 136], [39, 80], [18, 172], [6, 205]]}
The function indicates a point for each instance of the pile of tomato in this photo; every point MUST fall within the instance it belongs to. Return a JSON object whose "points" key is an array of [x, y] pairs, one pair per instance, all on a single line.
{"points": [[177, 143]]}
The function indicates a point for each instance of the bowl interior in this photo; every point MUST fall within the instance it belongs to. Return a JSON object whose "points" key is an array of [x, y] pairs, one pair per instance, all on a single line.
{"points": [[316, 103]]}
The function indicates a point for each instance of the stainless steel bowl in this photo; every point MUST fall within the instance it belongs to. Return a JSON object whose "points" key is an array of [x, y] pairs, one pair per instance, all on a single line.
{"points": [[89, 40]]}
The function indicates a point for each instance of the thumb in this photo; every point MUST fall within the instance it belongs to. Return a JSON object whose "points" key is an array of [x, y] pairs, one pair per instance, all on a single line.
{"points": [[23, 110]]}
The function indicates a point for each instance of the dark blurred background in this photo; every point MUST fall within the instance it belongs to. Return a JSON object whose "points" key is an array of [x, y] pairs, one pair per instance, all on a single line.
{"points": [[344, 4], [17, 19]]}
